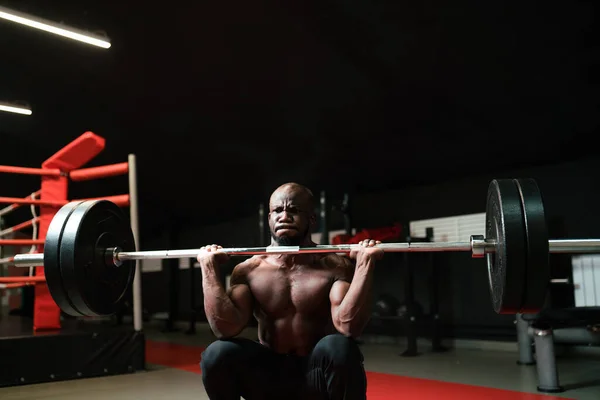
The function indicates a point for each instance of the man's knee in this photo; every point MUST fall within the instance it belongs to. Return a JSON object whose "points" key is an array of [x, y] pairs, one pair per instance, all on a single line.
{"points": [[220, 353], [338, 350]]}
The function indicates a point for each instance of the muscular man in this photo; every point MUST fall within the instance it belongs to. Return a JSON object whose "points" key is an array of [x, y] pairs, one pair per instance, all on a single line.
{"points": [[309, 308]]}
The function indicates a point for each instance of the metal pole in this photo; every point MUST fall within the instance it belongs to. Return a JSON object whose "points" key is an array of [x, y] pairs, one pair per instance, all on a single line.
{"points": [[26, 259], [574, 245], [524, 342], [583, 246], [133, 211], [410, 320], [546, 362], [343, 248], [192, 320], [556, 246]]}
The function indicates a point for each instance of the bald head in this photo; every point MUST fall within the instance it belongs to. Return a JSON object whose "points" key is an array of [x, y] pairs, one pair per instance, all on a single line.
{"points": [[291, 214], [296, 191]]}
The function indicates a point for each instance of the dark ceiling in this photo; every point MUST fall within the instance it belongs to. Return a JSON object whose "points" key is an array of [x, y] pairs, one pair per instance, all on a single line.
{"points": [[221, 102]]}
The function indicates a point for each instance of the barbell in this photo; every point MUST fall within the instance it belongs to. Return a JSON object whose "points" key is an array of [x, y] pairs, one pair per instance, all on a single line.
{"points": [[89, 252]]}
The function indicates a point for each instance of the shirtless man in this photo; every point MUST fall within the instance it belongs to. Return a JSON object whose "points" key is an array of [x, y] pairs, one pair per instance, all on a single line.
{"points": [[309, 308]]}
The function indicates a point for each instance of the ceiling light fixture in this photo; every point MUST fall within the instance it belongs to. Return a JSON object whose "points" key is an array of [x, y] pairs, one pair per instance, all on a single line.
{"points": [[55, 28], [14, 109]]}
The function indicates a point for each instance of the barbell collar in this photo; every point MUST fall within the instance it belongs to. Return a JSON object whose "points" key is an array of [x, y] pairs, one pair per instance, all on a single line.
{"points": [[478, 246], [112, 256], [28, 260]]}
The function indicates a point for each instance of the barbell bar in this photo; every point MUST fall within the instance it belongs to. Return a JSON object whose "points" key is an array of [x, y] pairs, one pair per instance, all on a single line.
{"points": [[478, 246], [89, 252]]}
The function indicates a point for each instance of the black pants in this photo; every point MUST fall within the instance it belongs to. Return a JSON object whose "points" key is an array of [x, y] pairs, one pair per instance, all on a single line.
{"points": [[240, 367]]}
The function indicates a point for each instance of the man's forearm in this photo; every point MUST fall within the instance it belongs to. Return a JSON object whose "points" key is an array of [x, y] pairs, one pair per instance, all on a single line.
{"points": [[222, 315], [354, 311]]}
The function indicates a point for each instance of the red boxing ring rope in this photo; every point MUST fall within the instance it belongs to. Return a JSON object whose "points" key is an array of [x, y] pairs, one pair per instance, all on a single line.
{"points": [[122, 200], [6, 260], [19, 227], [15, 285], [17, 200], [30, 171], [12, 207], [22, 279], [20, 242], [105, 171]]}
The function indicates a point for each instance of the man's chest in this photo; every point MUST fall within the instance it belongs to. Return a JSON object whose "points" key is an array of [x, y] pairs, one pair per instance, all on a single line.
{"points": [[301, 289]]}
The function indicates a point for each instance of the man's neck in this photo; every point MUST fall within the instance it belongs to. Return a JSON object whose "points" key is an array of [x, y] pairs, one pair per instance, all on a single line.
{"points": [[305, 243], [292, 259]]}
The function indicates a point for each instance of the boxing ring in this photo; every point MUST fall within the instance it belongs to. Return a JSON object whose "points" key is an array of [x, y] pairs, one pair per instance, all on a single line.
{"points": [[56, 173]]}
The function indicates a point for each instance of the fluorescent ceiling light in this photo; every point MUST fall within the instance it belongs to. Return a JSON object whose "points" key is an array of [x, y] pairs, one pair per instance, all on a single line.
{"points": [[55, 28], [14, 109]]}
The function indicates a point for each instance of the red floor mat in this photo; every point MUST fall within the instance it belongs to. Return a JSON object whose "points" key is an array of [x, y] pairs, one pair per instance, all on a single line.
{"points": [[380, 386], [172, 355]]}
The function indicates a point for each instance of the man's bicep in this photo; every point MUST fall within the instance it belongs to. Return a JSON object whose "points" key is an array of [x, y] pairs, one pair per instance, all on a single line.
{"points": [[337, 293], [241, 297], [344, 273], [239, 291]]}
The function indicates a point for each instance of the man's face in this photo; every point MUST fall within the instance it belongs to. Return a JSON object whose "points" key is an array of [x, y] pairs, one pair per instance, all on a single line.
{"points": [[290, 217]]}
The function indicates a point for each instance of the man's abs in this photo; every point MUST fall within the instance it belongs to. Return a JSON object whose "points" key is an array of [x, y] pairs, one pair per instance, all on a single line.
{"points": [[294, 334]]}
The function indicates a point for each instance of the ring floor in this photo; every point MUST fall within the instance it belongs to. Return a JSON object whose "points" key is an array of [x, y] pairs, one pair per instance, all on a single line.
{"points": [[461, 373]]}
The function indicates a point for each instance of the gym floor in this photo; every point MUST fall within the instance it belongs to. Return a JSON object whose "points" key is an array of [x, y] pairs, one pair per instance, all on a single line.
{"points": [[465, 372]]}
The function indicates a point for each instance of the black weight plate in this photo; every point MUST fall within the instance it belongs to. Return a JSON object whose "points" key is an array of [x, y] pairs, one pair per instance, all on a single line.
{"points": [[538, 274], [96, 286], [52, 269], [507, 265]]}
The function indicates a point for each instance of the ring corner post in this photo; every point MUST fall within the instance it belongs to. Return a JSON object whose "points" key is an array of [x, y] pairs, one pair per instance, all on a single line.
{"points": [[133, 211]]}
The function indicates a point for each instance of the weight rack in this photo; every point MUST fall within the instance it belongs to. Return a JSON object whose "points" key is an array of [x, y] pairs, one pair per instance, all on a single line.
{"points": [[412, 320]]}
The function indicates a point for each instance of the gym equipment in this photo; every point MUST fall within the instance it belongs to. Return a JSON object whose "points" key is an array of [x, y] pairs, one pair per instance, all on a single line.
{"points": [[79, 277], [89, 248], [386, 306], [414, 310]]}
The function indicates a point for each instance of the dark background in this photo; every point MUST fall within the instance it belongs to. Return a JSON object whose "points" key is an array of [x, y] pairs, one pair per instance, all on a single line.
{"points": [[410, 107]]}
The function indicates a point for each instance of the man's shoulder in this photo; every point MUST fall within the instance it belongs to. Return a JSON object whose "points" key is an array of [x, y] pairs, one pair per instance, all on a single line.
{"points": [[248, 265], [341, 266], [243, 269], [334, 260]]}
